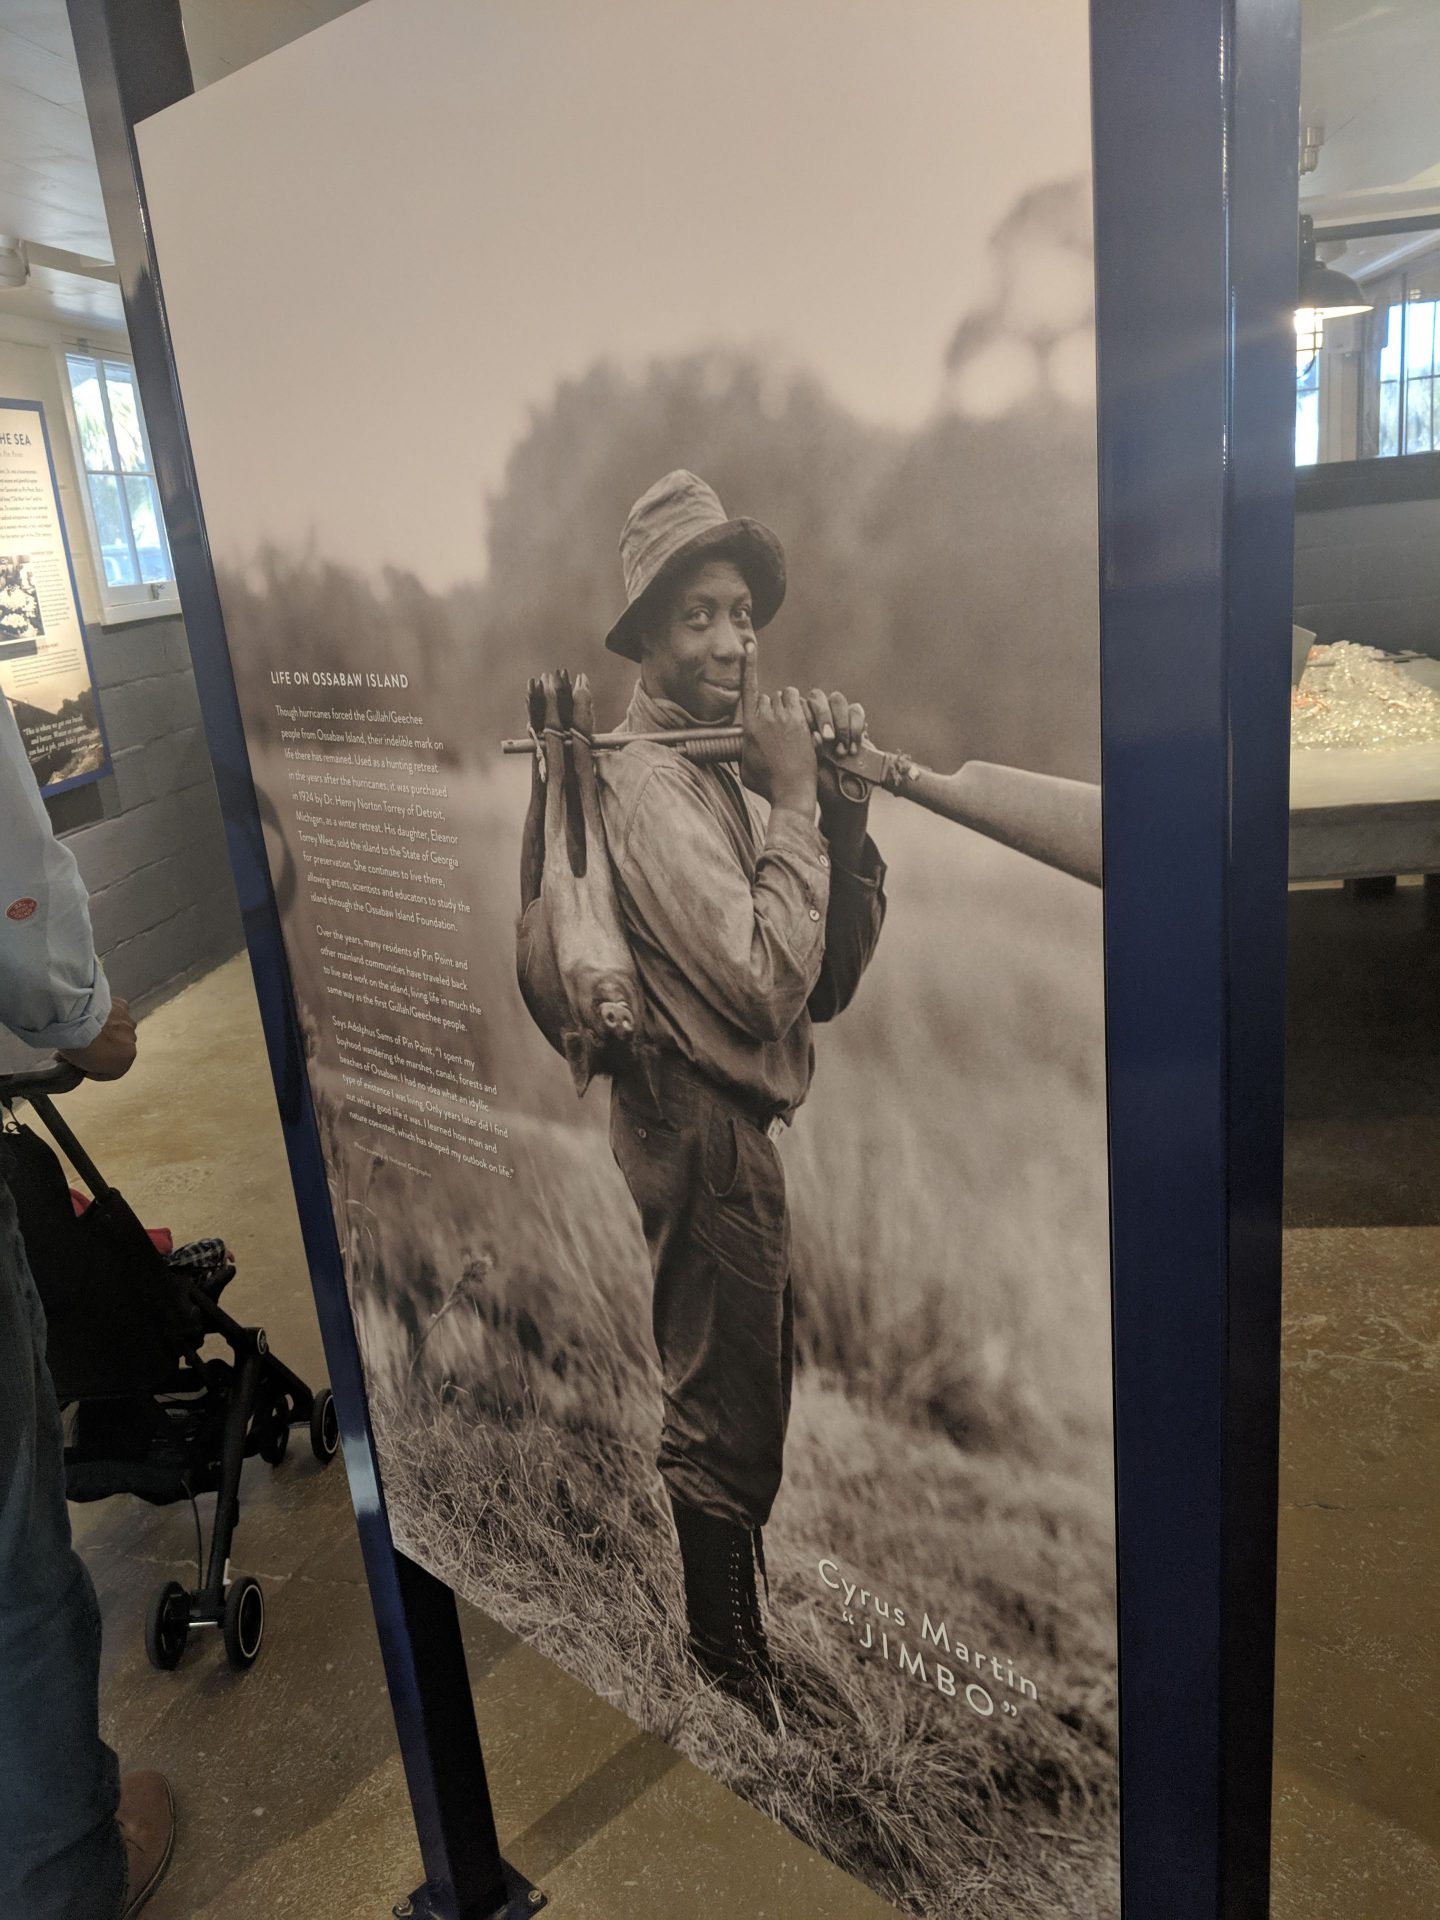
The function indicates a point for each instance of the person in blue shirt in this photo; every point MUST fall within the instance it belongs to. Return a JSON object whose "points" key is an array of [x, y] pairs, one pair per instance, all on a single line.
{"points": [[76, 1841]]}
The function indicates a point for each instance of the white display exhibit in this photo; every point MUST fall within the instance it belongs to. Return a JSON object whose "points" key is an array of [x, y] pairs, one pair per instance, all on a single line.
{"points": [[804, 255], [44, 665]]}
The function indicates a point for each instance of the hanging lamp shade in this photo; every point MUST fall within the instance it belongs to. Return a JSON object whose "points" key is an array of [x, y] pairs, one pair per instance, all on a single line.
{"points": [[14, 263], [1328, 294], [1323, 292]]}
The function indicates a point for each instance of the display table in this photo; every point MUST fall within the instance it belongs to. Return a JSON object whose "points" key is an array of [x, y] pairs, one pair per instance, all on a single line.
{"points": [[1357, 812]]}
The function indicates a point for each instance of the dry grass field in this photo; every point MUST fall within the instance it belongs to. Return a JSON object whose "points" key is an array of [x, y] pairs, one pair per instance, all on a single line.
{"points": [[950, 1444]]}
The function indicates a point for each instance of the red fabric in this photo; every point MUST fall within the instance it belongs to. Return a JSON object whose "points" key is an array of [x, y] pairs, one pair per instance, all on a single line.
{"points": [[161, 1237]]}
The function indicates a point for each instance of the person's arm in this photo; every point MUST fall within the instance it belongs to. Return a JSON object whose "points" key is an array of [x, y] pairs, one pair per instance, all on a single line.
{"points": [[753, 951], [857, 873], [53, 992], [857, 907], [111, 1054]]}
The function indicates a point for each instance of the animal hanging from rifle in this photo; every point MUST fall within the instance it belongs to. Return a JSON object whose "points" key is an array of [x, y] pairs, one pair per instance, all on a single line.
{"points": [[576, 973]]}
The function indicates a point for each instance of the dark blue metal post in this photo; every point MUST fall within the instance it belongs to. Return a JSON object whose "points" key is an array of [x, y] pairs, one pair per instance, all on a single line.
{"points": [[133, 63], [1196, 130], [1263, 70]]}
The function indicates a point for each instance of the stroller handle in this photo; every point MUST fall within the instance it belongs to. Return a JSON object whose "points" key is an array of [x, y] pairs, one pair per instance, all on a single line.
{"points": [[58, 1077]]}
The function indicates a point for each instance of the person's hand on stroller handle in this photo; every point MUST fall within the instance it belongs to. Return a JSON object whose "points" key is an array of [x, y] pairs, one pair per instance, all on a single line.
{"points": [[111, 1053]]}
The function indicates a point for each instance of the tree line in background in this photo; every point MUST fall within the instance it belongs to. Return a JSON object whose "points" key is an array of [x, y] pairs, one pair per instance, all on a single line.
{"points": [[945, 578]]}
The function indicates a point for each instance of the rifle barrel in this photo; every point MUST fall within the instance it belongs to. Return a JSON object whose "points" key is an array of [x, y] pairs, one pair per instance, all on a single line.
{"points": [[1052, 820], [677, 737]]}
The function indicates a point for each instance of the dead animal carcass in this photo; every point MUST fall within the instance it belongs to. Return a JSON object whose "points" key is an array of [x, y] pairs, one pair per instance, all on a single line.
{"points": [[576, 972]]}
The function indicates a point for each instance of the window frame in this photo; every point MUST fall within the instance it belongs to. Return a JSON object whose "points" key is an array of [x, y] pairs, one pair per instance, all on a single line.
{"points": [[1306, 389], [1406, 476], [1374, 481], [146, 599]]}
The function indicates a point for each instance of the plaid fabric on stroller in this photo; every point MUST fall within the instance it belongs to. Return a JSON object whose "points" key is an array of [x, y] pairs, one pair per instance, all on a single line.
{"points": [[206, 1262], [169, 1395]]}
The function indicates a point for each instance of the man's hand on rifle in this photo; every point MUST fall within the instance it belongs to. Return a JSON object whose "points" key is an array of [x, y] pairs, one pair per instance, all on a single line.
{"points": [[837, 726], [777, 759]]}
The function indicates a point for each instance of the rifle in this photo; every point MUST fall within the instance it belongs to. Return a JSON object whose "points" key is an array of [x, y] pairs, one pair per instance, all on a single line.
{"points": [[1050, 819]]}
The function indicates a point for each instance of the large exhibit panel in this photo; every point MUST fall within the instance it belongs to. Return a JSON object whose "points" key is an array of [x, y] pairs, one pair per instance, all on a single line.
{"points": [[794, 1327]]}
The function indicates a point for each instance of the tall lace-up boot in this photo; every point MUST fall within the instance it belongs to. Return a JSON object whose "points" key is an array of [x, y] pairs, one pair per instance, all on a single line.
{"points": [[722, 1605]]}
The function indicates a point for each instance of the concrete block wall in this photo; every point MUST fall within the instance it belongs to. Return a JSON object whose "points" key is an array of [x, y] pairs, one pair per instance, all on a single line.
{"points": [[147, 837], [161, 898], [1371, 573]]}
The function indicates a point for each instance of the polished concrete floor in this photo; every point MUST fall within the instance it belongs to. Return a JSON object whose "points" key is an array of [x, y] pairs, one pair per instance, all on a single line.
{"points": [[1357, 1771], [291, 1797]]}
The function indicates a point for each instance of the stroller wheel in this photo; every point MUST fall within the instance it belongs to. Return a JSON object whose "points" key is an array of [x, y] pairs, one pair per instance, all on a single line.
{"points": [[244, 1622], [324, 1427], [167, 1626], [277, 1443]]}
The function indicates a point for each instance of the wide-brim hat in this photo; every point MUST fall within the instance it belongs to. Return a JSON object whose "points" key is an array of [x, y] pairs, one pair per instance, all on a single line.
{"points": [[672, 525]]}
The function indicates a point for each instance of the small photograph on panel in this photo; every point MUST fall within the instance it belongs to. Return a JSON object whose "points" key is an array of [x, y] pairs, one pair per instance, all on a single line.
{"points": [[22, 625]]}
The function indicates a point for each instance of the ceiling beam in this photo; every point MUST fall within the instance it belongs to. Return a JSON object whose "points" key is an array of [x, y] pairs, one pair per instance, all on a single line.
{"points": [[60, 260]]}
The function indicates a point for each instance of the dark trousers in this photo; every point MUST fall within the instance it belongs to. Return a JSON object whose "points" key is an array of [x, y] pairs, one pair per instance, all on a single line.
{"points": [[711, 1193], [61, 1855]]}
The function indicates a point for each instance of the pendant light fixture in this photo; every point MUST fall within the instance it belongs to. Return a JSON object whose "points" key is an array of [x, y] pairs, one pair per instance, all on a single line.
{"points": [[14, 264], [1323, 293]]}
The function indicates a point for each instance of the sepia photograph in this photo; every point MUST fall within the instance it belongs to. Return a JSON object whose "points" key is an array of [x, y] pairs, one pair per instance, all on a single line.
{"points": [[21, 622], [663, 607]]}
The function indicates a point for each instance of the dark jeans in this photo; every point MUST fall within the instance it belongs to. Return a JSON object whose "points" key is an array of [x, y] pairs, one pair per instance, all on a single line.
{"points": [[711, 1193], [61, 1855]]}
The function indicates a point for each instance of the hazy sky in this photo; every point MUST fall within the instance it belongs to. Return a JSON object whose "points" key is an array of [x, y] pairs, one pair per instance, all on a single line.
{"points": [[383, 246]]}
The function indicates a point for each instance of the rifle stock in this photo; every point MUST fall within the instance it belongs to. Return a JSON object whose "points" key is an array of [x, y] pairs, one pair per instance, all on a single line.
{"points": [[1052, 820]]}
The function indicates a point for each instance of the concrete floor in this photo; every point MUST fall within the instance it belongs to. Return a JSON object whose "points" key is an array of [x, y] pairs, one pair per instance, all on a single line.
{"points": [[291, 1798], [1357, 1768], [289, 1785]]}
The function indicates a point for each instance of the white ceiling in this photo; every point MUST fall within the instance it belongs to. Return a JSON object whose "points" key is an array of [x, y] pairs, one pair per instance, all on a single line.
{"points": [[49, 189], [1371, 78]]}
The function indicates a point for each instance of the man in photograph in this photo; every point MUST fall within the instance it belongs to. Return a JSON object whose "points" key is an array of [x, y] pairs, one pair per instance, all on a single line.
{"points": [[752, 905]]}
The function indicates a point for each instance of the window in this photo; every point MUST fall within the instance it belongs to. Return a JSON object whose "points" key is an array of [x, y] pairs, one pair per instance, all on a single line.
{"points": [[1307, 398], [122, 500], [1407, 365], [1368, 386]]}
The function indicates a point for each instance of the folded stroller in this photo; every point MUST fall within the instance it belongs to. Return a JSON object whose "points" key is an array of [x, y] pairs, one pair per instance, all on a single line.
{"points": [[152, 1413]]}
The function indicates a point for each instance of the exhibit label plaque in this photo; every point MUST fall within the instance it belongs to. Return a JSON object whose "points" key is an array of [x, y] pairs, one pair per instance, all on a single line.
{"points": [[44, 666]]}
